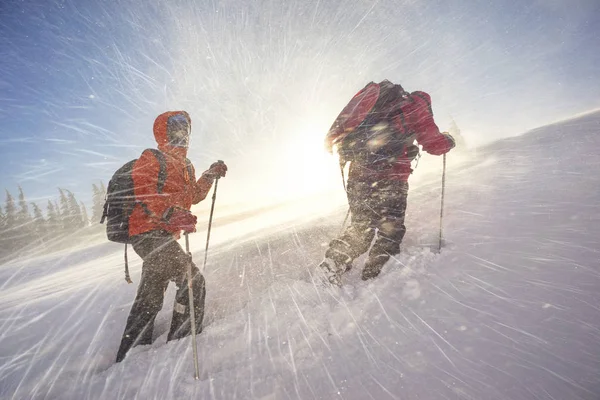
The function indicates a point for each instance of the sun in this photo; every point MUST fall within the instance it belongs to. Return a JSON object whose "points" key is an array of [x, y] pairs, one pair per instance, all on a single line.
{"points": [[305, 168]]}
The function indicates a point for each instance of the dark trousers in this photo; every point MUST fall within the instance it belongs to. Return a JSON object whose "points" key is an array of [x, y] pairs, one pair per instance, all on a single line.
{"points": [[377, 208], [163, 261]]}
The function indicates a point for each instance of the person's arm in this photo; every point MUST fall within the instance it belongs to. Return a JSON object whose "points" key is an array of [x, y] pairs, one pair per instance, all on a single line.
{"points": [[204, 183], [428, 134]]}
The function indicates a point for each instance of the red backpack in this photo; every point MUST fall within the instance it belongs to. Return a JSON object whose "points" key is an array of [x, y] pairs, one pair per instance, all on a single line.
{"points": [[361, 132]]}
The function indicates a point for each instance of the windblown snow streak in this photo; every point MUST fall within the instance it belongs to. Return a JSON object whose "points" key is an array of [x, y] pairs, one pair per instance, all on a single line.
{"points": [[508, 310]]}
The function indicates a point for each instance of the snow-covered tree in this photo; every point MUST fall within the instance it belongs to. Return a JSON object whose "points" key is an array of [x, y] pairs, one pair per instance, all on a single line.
{"points": [[53, 222], [85, 221], [63, 211], [98, 204], [39, 227], [23, 213], [24, 221], [75, 218], [2, 219], [10, 211], [3, 244], [102, 190]]}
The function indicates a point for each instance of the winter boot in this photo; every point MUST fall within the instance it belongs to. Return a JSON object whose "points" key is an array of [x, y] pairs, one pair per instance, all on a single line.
{"points": [[333, 266], [328, 273], [374, 265], [136, 336]]}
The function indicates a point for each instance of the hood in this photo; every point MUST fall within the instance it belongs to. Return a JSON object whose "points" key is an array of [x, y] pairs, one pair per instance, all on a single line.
{"points": [[160, 134]]}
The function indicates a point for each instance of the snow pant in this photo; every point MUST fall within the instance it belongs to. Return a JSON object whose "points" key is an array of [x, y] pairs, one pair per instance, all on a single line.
{"points": [[163, 261], [376, 208]]}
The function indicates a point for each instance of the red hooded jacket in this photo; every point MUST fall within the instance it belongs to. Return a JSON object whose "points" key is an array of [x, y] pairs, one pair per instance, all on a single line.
{"points": [[180, 188]]}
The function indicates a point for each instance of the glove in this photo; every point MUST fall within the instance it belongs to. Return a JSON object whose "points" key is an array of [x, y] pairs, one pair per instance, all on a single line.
{"points": [[217, 170], [450, 140], [180, 219]]}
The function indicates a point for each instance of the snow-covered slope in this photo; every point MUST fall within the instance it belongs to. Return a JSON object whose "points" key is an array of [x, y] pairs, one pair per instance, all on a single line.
{"points": [[508, 310]]}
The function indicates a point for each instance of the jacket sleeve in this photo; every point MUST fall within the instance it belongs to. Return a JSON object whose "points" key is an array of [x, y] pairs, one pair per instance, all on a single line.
{"points": [[145, 185], [428, 133], [203, 185]]}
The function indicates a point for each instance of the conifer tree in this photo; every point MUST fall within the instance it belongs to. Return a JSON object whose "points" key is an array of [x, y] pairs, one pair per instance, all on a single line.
{"points": [[75, 218], [98, 204], [10, 211], [39, 227], [24, 222], [23, 214], [85, 221], [10, 234], [102, 189], [2, 219], [53, 223], [3, 243], [64, 212]]}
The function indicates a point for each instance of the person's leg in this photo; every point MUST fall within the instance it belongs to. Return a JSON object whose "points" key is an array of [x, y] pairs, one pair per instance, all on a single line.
{"points": [[391, 207], [181, 322], [174, 262], [356, 239], [150, 293]]}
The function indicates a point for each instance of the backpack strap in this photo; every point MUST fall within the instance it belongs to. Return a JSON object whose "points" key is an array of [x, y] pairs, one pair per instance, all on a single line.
{"points": [[162, 176], [127, 278], [398, 112], [190, 170], [162, 172]]}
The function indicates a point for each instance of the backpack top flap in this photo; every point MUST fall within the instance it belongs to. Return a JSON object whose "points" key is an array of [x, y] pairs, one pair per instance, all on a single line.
{"points": [[352, 115]]}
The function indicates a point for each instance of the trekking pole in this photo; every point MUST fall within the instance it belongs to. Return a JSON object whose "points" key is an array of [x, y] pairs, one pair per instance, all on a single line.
{"points": [[192, 309], [442, 207], [212, 209], [190, 286]]}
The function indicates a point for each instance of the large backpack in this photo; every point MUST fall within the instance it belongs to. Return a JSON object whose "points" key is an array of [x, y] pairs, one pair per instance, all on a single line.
{"points": [[362, 133], [120, 199]]}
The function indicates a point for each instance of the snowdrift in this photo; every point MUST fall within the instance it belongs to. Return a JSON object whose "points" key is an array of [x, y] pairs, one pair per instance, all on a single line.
{"points": [[507, 310]]}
